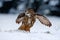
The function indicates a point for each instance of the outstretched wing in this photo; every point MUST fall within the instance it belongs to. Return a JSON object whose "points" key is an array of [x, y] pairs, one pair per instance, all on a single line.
{"points": [[43, 20], [20, 17]]}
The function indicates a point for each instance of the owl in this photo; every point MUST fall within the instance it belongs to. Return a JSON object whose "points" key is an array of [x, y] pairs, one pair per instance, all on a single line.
{"points": [[29, 17]]}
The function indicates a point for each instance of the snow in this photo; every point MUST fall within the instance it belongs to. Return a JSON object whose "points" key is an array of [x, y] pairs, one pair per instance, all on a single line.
{"points": [[8, 29]]}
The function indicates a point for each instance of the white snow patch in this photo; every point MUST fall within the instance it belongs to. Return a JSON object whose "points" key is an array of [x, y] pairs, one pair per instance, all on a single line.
{"points": [[8, 29]]}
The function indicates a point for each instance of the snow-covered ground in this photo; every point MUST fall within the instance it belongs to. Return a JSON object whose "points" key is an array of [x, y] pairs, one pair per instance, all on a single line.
{"points": [[8, 29]]}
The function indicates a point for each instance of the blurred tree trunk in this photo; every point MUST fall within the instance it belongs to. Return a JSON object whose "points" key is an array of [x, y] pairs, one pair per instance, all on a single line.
{"points": [[37, 4]]}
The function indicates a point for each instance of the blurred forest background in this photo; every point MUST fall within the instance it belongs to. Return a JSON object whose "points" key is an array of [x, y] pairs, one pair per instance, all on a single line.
{"points": [[46, 7]]}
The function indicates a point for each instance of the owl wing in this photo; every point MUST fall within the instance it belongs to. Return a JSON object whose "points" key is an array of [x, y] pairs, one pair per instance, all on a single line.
{"points": [[43, 20], [20, 17]]}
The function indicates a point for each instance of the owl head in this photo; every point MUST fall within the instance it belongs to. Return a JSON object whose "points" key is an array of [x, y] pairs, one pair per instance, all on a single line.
{"points": [[29, 12]]}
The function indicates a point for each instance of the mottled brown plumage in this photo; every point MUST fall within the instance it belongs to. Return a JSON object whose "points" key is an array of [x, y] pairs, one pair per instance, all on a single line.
{"points": [[28, 18]]}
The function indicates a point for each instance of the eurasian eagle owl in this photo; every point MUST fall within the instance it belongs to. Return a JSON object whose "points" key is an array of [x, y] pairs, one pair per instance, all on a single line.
{"points": [[28, 18]]}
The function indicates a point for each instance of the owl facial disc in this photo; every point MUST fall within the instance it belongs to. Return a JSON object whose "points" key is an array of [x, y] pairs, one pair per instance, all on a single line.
{"points": [[27, 14]]}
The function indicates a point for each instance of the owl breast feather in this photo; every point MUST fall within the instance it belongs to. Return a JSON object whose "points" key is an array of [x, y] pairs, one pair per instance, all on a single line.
{"points": [[28, 21]]}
